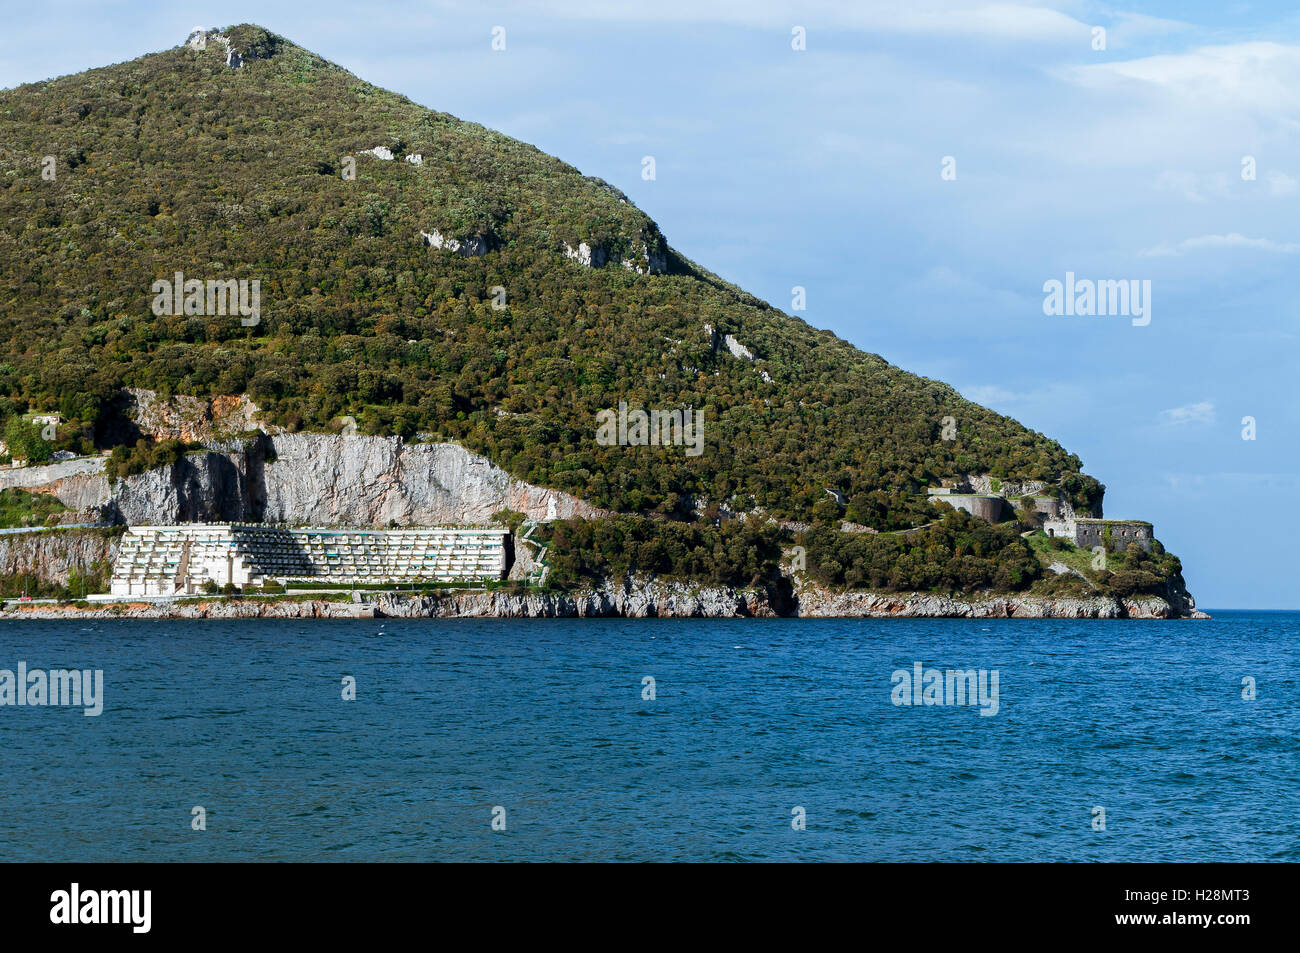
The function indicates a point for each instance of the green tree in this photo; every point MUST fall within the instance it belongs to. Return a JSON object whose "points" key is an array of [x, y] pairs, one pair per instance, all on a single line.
{"points": [[25, 441]]}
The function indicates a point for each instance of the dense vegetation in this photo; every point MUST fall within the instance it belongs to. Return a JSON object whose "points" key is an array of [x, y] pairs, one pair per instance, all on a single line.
{"points": [[20, 508], [738, 553], [1128, 573], [126, 461], [956, 553], [24, 442], [173, 162]]}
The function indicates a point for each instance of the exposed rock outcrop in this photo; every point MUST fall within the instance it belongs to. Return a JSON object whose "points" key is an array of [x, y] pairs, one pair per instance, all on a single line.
{"points": [[633, 599], [813, 602], [648, 258], [470, 248], [199, 39], [79, 484], [213, 609], [306, 478], [644, 256], [372, 480], [718, 341], [49, 557], [205, 486], [818, 604], [585, 254], [191, 419]]}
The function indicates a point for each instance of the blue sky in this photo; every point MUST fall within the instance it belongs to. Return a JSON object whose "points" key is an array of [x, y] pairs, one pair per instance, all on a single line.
{"points": [[821, 168]]}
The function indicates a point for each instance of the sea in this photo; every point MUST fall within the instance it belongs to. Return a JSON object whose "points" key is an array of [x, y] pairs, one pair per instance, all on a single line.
{"points": [[657, 740]]}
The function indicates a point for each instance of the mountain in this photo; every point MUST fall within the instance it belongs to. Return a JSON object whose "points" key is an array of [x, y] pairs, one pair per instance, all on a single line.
{"points": [[420, 276]]}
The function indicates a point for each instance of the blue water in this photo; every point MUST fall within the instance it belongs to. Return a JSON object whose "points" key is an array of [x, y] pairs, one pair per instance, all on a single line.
{"points": [[752, 718]]}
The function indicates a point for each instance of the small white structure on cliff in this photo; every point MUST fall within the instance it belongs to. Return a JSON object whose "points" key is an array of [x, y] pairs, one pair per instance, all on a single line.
{"points": [[180, 560]]}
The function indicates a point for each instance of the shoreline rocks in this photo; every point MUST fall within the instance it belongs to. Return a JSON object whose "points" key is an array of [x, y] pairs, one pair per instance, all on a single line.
{"points": [[632, 600]]}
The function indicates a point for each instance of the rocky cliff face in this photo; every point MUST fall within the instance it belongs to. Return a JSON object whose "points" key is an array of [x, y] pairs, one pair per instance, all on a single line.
{"points": [[192, 419], [371, 480], [203, 487], [474, 247], [818, 604], [306, 478], [638, 599], [200, 39], [79, 484], [643, 256], [274, 476], [632, 601], [49, 557]]}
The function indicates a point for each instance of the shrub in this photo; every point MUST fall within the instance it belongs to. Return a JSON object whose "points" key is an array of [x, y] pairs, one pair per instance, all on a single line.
{"points": [[145, 455], [25, 441]]}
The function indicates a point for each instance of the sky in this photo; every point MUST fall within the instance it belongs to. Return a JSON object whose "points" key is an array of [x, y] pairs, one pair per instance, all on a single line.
{"points": [[922, 169]]}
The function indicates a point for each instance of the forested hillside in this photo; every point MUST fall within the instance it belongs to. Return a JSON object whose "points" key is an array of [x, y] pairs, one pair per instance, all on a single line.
{"points": [[175, 162]]}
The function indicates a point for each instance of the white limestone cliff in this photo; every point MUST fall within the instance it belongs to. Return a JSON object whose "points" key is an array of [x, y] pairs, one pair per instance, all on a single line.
{"points": [[586, 255], [306, 478], [733, 346], [199, 39], [646, 259], [471, 248]]}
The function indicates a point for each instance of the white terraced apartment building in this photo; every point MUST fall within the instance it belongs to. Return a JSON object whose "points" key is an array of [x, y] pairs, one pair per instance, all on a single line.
{"points": [[180, 560]]}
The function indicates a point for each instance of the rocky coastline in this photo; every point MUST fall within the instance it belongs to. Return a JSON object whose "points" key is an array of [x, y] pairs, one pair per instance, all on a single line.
{"points": [[254, 473], [633, 600]]}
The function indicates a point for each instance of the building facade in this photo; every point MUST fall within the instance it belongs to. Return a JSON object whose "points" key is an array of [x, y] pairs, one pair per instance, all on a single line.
{"points": [[1114, 535], [181, 560]]}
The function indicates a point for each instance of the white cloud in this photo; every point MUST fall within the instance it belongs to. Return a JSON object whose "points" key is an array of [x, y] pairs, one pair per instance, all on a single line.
{"points": [[1261, 77], [1006, 20], [1193, 186], [945, 296], [1024, 21], [1231, 240], [1049, 395], [1132, 26], [1202, 412], [1279, 183], [990, 395]]}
